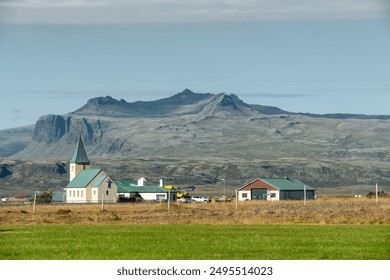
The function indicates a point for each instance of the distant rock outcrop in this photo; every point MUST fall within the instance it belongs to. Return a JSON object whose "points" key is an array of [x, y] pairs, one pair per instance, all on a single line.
{"points": [[52, 128], [5, 170]]}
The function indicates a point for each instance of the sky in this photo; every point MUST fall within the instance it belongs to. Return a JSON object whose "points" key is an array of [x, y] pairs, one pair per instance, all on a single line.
{"points": [[300, 55]]}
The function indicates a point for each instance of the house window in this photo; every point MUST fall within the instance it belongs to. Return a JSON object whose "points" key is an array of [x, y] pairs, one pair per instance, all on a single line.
{"points": [[160, 197], [244, 195]]}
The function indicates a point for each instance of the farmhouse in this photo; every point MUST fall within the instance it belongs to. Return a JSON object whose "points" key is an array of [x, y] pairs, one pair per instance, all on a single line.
{"points": [[88, 185], [275, 189], [131, 191]]}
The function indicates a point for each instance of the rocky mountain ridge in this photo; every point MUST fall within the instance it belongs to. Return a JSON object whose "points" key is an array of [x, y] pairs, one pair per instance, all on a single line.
{"points": [[189, 124], [209, 136]]}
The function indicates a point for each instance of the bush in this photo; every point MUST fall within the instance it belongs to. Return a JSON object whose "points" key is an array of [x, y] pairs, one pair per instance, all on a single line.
{"points": [[380, 194], [44, 198]]}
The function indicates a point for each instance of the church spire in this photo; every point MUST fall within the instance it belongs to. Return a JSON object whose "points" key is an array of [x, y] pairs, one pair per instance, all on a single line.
{"points": [[79, 155], [79, 161]]}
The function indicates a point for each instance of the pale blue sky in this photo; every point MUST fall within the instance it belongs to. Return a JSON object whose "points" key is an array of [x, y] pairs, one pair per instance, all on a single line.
{"points": [[302, 56]]}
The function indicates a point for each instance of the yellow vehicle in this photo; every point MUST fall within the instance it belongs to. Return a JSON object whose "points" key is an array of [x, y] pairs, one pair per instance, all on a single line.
{"points": [[179, 193]]}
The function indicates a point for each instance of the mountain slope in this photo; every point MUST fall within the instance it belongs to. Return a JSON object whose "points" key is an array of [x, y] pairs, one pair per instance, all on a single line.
{"points": [[191, 125], [199, 139]]}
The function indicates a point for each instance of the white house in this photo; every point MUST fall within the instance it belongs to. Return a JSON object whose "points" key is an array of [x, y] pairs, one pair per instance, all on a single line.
{"points": [[131, 191], [275, 189]]}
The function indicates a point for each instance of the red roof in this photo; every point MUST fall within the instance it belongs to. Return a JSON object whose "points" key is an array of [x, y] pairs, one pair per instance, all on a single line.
{"points": [[257, 184]]}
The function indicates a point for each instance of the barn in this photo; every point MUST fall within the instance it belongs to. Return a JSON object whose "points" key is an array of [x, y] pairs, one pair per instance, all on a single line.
{"points": [[275, 189]]}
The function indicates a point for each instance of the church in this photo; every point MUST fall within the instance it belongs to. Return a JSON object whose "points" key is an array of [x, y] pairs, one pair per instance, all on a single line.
{"points": [[88, 185]]}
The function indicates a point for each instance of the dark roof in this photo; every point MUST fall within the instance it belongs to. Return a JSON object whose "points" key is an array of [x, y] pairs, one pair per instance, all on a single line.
{"points": [[79, 155]]}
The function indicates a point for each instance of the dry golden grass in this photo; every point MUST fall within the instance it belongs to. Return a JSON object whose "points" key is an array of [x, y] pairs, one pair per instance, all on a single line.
{"points": [[321, 211]]}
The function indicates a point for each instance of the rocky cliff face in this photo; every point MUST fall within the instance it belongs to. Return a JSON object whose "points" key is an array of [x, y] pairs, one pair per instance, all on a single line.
{"points": [[53, 128]]}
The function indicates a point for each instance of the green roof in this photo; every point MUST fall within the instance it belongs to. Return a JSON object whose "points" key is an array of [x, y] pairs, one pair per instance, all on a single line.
{"points": [[287, 184], [79, 155], [125, 183], [130, 186], [83, 179], [99, 181], [58, 197]]}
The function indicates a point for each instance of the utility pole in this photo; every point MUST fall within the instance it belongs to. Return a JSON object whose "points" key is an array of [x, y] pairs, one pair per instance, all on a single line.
{"points": [[169, 199], [35, 200], [376, 194], [236, 199]]}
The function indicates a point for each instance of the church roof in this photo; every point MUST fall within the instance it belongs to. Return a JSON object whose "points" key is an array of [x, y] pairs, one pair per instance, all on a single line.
{"points": [[84, 178], [79, 155]]}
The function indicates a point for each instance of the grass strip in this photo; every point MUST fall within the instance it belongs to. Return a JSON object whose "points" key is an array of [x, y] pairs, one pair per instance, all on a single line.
{"points": [[195, 242]]}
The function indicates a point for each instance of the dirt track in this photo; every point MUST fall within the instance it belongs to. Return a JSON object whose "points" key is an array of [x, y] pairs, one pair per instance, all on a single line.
{"points": [[335, 211]]}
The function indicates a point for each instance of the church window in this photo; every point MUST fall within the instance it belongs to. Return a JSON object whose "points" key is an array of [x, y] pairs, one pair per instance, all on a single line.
{"points": [[107, 192], [78, 194]]}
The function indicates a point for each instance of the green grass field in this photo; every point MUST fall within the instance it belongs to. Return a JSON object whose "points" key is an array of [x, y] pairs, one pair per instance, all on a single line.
{"points": [[196, 242]]}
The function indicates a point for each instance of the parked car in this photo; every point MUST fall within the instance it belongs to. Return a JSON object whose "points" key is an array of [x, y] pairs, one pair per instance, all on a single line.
{"points": [[185, 199], [223, 198], [200, 198]]}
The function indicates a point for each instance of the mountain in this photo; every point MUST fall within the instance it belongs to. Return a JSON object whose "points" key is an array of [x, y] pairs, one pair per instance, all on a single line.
{"points": [[197, 138], [184, 103], [206, 125]]}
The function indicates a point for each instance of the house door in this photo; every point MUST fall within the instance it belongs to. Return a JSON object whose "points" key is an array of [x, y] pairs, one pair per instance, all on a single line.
{"points": [[259, 194]]}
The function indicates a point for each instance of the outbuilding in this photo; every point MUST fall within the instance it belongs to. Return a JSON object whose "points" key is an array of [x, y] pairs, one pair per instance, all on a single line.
{"points": [[275, 189], [132, 191]]}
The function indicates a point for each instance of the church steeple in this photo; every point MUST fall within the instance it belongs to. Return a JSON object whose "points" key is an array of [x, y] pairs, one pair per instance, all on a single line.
{"points": [[79, 161], [79, 155]]}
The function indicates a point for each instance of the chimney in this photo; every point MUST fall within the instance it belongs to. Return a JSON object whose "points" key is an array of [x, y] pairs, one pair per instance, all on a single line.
{"points": [[141, 182], [161, 183]]}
